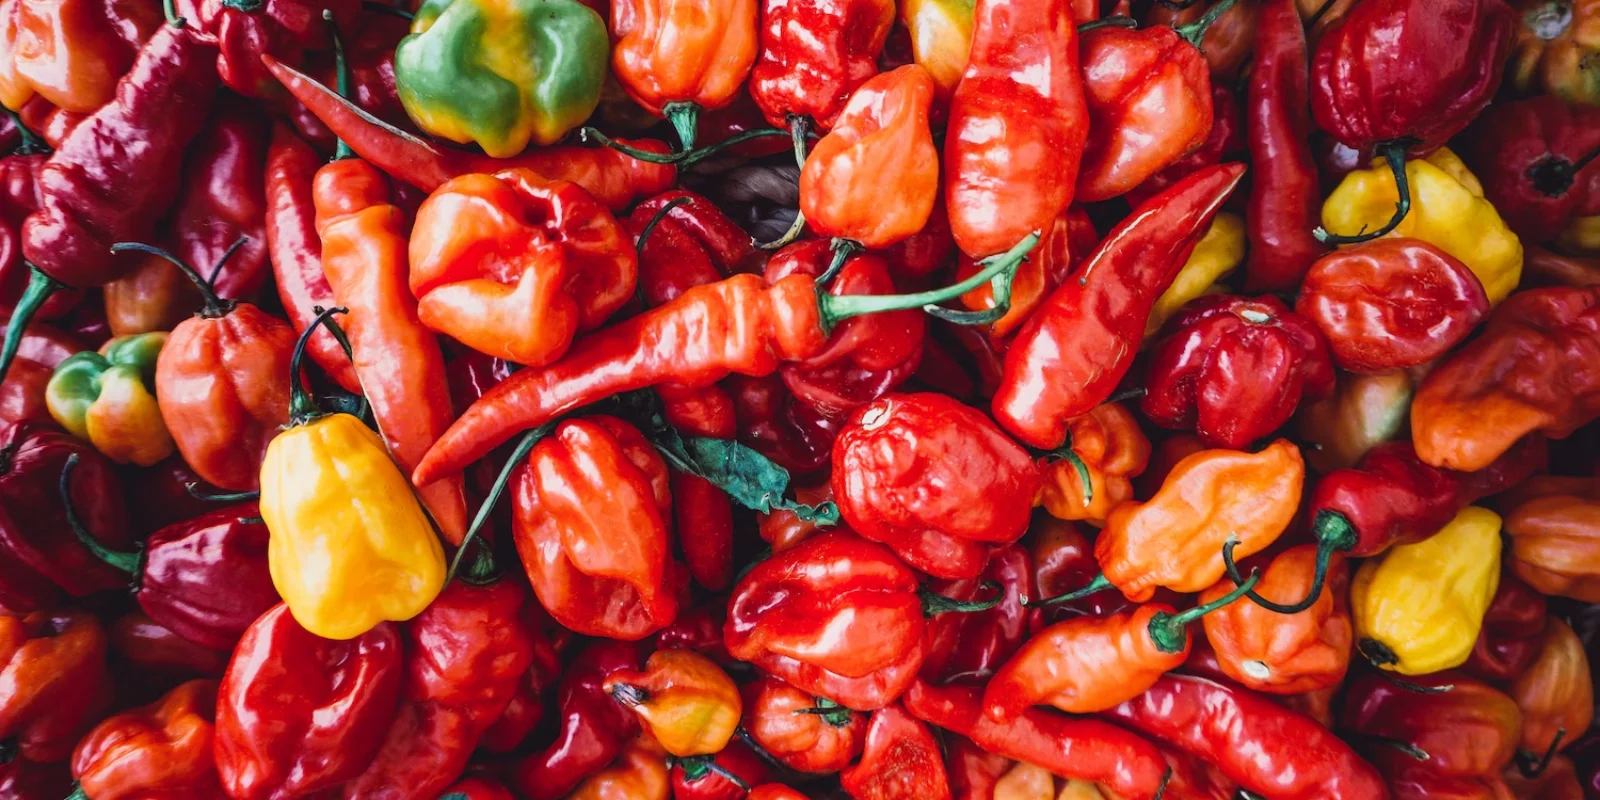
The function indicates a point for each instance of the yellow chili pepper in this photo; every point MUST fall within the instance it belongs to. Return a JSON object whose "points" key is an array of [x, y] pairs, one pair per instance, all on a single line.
{"points": [[1582, 237], [109, 398], [1447, 210], [1418, 607], [1219, 252], [683, 698], [349, 544]]}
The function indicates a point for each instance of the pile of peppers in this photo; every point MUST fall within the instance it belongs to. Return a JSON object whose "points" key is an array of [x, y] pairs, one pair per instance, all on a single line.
{"points": [[1122, 399]]}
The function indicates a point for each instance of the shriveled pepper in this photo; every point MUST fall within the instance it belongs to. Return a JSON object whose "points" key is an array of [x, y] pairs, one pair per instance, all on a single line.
{"points": [[53, 681], [1463, 729], [1555, 48], [1552, 543], [805, 733], [1285, 653], [813, 56], [1363, 412], [1235, 368], [109, 399], [1391, 304], [1536, 160], [1513, 631], [162, 749], [679, 57], [70, 53], [683, 699], [593, 729], [1418, 608], [1219, 252], [892, 449], [1112, 450], [900, 759]]}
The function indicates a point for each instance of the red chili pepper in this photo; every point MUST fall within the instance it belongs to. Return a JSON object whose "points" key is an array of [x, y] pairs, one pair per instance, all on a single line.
{"points": [[698, 629], [21, 779], [593, 728], [900, 759], [297, 713], [894, 448], [526, 709], [1070, 356], [163, 748], [1285, 195], [719, 777], [1227, 141], [1019, 103], [1069, 238], [477, 787], [1512, 633], [22, 393], [675, 59], [805, 733], [53, 682], [152, 649], [369, 46], [1234, 369], [1536, 160], [710, 237], [224, 198], [780, 427], [925, 252], [813, 57], [19, 197], [1470, 730], [285, 29], [973, 770], [1266, 748], [973, 646]]}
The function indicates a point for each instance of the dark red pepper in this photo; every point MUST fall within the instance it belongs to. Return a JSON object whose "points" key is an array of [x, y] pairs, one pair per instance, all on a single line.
{"points": [[1536, 161], [526, 708], [285, 29], [900, 759], [19, 197], [1468, 731], [973, 771], [43, 346], [708, 777], [698, 629], [594, 729], [972, 646], [168, 492], [153, 650], [1226, 142], [1512, 633], [224, 198], [794, 435]]}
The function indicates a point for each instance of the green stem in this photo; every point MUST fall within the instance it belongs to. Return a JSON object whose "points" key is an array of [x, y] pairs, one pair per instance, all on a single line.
{"points": [[795, 229], [628, 694], [227, 255], [934, 604], [40, 287], [824, 514], [341, 73], [214, 306], [193, 488], [685, 119], [842, 250], [1334, 533], [170, 10], [31, 143], [1099, 584], [650, 227], [128, 563], [77, 794], [1066, 453], [697, 156], [1195, 32], [1170, 633], [1395, 154], [302, 407], [588, 133], [524, 446], [1395, 744], [831, 713], [799, 125], [836, 308], [1115, 21]]}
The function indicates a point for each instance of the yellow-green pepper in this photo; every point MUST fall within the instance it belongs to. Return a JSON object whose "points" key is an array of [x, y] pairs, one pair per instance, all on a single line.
{"points": [[500, 73], [1219, 252], [1448, 211], [109, 399], [1418, 607]]}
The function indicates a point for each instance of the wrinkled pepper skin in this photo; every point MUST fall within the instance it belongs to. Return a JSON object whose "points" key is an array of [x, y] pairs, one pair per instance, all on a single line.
{"points": [[1552, 543], [1556, 693], [1527, 155], [813, 56], [1470, 731], [108, 398], [1113, 450], [53, 681], [1391, 304], [830, 583], [224, 198], [901, 759], [976, 644], [683, 52], [874, 178], [591, 520], [206, 578], [1235, 368], [160, 750], [1553, 44], [1069, 357], [807, 742], [70, 54], [1284, 193], [1513, 631], [684, 700], [1531, 370], [1019, 105], [501, 75], [298, 714], [1284, 653], [1175, 539], [593, 729], [894, 448], [1419, 607], [513, 265]]}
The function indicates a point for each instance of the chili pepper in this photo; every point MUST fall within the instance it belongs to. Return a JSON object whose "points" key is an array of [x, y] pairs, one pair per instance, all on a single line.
{"points": [[1072, 353], [941, 37], [42, 349], [770, 420], [289, 30], [70, 54], [1285, 653], [1019, 98], [1526, 373], [698, 629], [1542, 267], [297, 713], [1469, 731], [683, 699], [1555, 694], [894, 447], [975, 645], [804, 733], [26, 780], [52, 681], [1072, 748], [514, 266], [879, 143], [812, 58], [739, 116], [640, 772], [1551, 543], [1559, 781], [1219, 252], [590, 521], [1512, 633], [1065, 242], [1024, 781], [19, 197], [1363, 412], [714, 244], [774, 791], [1228, 43], [1534, 157], [1376, 87], [162, 747], [593, 728], [1225, 142], [369, 44], [1063, 561], [1235, 368], [154, 649], [612, 177], [728, 775], [154, 296], [900, 759], [1418, 608], [783, 529], [343, 561], [973, 771], [108, 399], [677, 59], [1284, 192], [793, 319], [1444, 200], [224, 200], [1551, 48], [525, 709]]}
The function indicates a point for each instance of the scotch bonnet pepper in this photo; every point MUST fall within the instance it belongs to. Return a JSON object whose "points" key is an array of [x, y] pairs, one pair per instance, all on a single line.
{"points": [[1553, 542], [71, 54], [53, 681], [1285, 653], [813, 57], [1462, 728], [1555, 48], [502, 73], [164, 747], [1536, 159], [683, 699], [679, 57], [1513, 630], [1556, 693], [974, 645], [109, 399], [1363, 412], [805, 733], [1111, 450]]}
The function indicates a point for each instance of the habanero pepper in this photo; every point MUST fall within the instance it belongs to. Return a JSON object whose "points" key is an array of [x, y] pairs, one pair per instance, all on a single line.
{"points": [[22, 779], [1285, 653], [773, 422], [813, 56], [640, 773], [154, 296], [974, 645], [477, 787], [1061, 248], [679, 57], [1021, 100], [684, 701], [70, 54], [1470, 730], [108, 398], [162, 748], [973, 771], [1513, 631], [892, 449], [1071, 354], [525, 711], [774, 791], [224, 200], [1536, 159], [698, 629], [19, 197], [289, 30], [153, 649], [1553, 48], [1228, 43], [53, 681], [1225, 142], [1555, 694], [1552, 542], [1112, 450], [726, 775], [803, 732], [900, 759], [593, 729]]}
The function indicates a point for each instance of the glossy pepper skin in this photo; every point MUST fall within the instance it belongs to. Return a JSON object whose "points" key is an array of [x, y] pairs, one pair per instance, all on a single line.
{"points": [[593, 729], [1530, 156], [297, 713], [892, 449], [1235, 368], [1020, 100], [1470, 731], [513, 265], [1551, 543], [1063, 245], [70, 54], [1263, 746], [640, 772], [22, 394], [1069, 356], [19, 197], [1176, 538], [976, 644], [146, 645], [291, 30], [901, 758], [1220, 252], [1529, 371], [1113, 450], [224, 199], [1072, 748], [821, 741], [873, 179], [683, 699], [1284, 653], [679, 54], [813, 56], [1556, 693], [693, 779], [53, 681], [1391, 304], [1513, 631], [1419, 607], [1363, 412], [108, 398], [163, 749], [973, 771]]}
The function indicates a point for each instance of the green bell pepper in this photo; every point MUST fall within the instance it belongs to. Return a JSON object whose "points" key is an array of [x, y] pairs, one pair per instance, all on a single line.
{"points": [[109, 399]]}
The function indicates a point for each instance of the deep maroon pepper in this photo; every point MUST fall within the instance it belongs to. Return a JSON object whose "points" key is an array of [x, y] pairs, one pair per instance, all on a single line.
{"points": [[285, 29], [369, 56], [470, 374], [1234, 368], [21, 779], [22, 394], [1225, 142], [814, 54], [972, 646], [1536, 161], [696, 778], [165, 495], [780, 427], [698, 629], [1470, 731], [593, 728], [973, 770], [224, 198], [719, 125], [19, 197], [156, 653], [713, 240], [1512, 633], [526, 708]]}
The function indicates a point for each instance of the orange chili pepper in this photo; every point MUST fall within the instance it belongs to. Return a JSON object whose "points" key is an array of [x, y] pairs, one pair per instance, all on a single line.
{"points": [[684, 700], [1555, 543], [1111, 450], [1556, 694], [1285, 653], [52, 680], [680, 57], [70, 52], [160, 750], [640, 773]]}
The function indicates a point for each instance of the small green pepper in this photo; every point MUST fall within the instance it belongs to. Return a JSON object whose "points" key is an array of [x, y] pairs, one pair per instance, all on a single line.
{"points": [[109, 399]]}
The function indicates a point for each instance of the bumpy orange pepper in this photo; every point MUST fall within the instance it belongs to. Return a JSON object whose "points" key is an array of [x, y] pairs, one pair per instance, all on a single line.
{"points": [[1112, 451], [684, 700], [160, 750], [640, 773], [678, 57], [70, 52], [1285, 653], [1555, 543], [1556, 694], [52, 680]]}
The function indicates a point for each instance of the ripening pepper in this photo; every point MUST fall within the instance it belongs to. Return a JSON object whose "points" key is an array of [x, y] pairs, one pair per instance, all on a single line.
{"points": [[680, 57], [1513, 630], [1363, 412], [1284, 653], [1218, 253], [514, 265], [805, 733], [1532, 369], [683, 699], [941, 36], [159, 750], [1418, 608], [1061, 248], [1467, 729], [1111, 450], [893, 449], [69, 52], [1234, 368], [225, 200], [1555, 49], [1556, 692], [53, 680], [109, 399], [900, 759], [502, 74], [640, 773], [1553, 543], [813, 56], [1536, 159], [1448, 211]]}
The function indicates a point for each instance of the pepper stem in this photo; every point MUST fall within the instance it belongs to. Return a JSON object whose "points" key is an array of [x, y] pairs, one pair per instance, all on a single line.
{"points": [[1195, 32], [1334, 534], [628, 694], [341, 74], [685, 119], [129, 563], [799, 126], [696, 768], [934, 604], [1379, 656], [836, 308], [1395, 744], [1066, 453], [795, 229], [214, 306], [1395, 154], [193, 488], [1114, 21], [1553, 176], [842, 250], [831, 713], [1099, 584], [1532, 765], [170, 10], [683, 157], [227, 255], [40, 287], [1170, 633], [77, 793], [31, 143], [650, 227], [302, 407], [524, 446]]}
